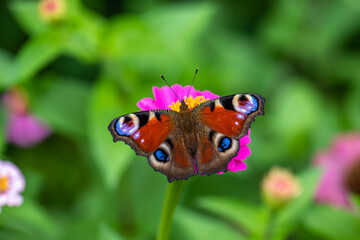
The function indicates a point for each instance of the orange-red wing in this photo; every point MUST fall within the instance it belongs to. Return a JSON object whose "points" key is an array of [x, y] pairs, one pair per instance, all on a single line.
{"points": [[150, 136], [224, 121]]}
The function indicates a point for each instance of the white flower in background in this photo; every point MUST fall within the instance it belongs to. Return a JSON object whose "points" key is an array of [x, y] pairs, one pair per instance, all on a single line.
{"points": [[12, 183]]}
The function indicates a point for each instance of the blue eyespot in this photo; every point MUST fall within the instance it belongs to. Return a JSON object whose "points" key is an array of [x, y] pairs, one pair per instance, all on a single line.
{"points": [[161, 155], [224, 144]]}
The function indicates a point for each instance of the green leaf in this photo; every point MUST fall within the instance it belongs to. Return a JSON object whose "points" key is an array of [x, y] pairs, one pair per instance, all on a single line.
{"points": [[5, 63], [112, 159], [27, 15], [63, 105], [351, 106], [298, 99], [34, 55], [194, 225], [296, 112], [29, 219], [289, 217], [150, 40], [352, 4], [84, 36], [333, 223], [355, 198], [106, 233], [249, 217]]}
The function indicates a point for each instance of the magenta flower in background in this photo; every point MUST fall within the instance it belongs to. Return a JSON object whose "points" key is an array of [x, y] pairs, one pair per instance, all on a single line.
{"points": [[12, 183], [341, 166], [23, 128], [166, 99]]}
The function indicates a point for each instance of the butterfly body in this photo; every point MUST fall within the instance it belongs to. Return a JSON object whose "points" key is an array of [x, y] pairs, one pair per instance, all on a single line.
{"points": [[194, 141]]}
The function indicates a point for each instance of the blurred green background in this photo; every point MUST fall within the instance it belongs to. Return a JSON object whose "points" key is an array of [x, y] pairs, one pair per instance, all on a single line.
{"points": [[102, 57]]}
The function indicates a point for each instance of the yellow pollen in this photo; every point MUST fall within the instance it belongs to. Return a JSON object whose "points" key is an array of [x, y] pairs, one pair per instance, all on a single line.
{"points": [[4, 184], [190, 102]]}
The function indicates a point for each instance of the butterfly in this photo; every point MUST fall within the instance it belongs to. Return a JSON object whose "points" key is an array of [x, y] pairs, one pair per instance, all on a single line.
{"points": [[182, 144]]}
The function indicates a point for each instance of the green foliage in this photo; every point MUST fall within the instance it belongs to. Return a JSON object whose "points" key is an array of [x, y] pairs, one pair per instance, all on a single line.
{"points": [[28, 62], [25, 12], [289, 218], [64, 106], [111, 160], [206, 227], [333, 223], [97, 62]]}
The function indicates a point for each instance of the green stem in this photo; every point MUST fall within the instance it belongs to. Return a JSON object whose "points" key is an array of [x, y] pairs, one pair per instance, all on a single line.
{"points": [[172, 198], [270, 224]]}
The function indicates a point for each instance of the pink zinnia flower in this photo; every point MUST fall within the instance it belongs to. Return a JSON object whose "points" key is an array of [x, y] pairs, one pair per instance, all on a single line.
{"points": [[341, 165], [166, 99], [12, 183], [23, 129]]}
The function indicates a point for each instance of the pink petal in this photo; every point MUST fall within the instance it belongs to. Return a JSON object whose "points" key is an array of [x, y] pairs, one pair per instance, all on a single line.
{"points": [[336, 162], [208, 94], [237, 166], [147, 104], [331, 189], [243, 153], [182, 92], [164, 97], [245, 140]]}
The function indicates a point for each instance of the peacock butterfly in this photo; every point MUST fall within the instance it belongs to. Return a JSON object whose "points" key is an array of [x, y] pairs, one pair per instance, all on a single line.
{"points": [[182, 144]]}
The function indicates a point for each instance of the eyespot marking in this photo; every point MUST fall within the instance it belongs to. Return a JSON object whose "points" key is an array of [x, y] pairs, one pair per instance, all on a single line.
{"points": [[127, 125], [211, 134], [243, 97], [245, 103], [161, 155], [224, 144], [170, 143], [127, 118]]}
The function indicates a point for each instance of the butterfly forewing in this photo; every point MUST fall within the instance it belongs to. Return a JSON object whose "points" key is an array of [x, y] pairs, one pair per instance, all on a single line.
{"points": [[225, 119]]}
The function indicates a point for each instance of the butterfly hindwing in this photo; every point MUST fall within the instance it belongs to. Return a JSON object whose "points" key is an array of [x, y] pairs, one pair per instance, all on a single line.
{"points": [[212, 159], [155, 134], [225, 120]]}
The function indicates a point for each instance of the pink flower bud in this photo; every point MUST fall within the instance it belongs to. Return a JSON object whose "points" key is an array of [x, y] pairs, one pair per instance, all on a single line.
{"points": [[52, 10], [280, 186]]}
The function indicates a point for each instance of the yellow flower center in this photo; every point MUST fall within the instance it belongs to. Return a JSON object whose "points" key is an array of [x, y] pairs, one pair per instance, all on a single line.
{"points": [[4, 184], [190, 102]]}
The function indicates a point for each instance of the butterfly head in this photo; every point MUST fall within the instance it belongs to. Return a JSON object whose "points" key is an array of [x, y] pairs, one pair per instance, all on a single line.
{"points": [[183, 106]]}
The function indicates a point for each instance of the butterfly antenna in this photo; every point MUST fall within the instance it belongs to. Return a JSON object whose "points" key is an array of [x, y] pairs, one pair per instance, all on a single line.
{"points": [[162, 76], [197, 69]]}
